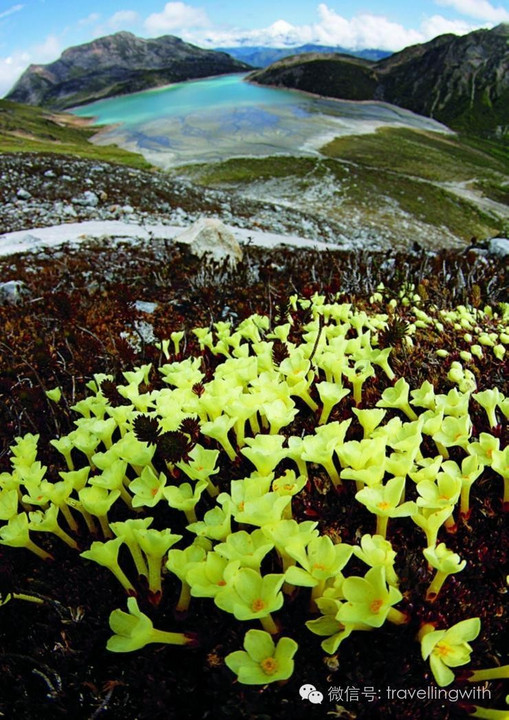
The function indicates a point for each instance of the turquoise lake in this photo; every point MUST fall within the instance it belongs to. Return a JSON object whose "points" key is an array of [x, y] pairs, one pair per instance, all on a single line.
{"points": [[220, 117]]}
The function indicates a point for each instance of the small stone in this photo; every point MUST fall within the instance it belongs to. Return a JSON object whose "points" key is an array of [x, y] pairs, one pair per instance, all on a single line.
{"points": [[499, 247], [88, 199], [12, 291], [49, 174], [23, 194], [144, 306], [127, 209]]}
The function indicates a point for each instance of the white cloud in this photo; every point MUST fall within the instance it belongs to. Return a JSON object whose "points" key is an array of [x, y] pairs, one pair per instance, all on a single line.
{"points": [[122, 19], [11, 68], [176, 16], [90, 20], [46, 51], [11, 10], [14, 65], [362, 31], [438, 25], [478, 9]]}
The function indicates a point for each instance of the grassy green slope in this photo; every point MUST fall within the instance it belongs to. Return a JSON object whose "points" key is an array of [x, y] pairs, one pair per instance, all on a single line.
{"points": [[431, 156], [383, 177], [29, 129]]}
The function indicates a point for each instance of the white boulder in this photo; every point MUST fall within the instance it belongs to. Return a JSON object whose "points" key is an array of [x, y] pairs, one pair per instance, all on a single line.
{"points": [[499, 247], [211, 238]]}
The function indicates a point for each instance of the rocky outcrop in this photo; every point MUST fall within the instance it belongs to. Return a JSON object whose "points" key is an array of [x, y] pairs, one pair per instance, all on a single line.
{"points": [[460, 81], [116, 65]]}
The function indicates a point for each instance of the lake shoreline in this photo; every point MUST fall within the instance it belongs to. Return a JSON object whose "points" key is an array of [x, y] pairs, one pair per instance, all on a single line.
{"points": [[212, 119]]}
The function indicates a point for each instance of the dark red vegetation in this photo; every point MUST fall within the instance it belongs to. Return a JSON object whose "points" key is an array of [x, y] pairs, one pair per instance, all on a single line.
{"points": [[78, 317]]}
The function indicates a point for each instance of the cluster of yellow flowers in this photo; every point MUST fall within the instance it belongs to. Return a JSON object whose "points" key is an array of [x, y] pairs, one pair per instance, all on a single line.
{"points": [[245, 411]]}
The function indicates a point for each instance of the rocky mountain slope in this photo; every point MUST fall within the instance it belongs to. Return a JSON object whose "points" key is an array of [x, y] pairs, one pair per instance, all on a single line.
{"points": [[116, 65], [460, 81]]}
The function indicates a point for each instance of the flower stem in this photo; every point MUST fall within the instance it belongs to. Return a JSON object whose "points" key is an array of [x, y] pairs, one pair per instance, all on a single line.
{"points": [[69, 518], [103, 520], [27, 598], [424, 630], [123, 579], [139, 561], [316, 592], [381, 525], [436, 585], [239, 429], [253, 421], [489, 714], [397, 617], [304, 395], [495, 673], [211, 488], [411, 414], [190, 516], [228, 448], [269, 625], [66, 538], [154, 574], [169, 638], [465, 499], [442, 450], [125, 496], [39, 551], [333, 473], [184, 598]]}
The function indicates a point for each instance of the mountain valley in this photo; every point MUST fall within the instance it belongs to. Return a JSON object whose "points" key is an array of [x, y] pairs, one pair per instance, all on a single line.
{"points": [[386, 189]]}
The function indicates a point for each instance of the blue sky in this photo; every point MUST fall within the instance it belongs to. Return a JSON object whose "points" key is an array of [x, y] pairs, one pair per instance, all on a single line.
{"points": [[37, 31]]}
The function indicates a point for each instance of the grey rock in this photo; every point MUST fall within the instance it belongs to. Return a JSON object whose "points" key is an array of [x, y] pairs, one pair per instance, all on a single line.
{"points": [[69, 211], [23, 194], [144, 306], [88, 199], [49, 174], [12, 292]]}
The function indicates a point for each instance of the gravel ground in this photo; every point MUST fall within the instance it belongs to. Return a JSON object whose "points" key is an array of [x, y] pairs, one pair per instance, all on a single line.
{"points": [[42, 190]]}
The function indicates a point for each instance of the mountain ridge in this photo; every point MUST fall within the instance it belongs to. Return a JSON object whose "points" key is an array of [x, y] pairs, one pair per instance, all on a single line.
{"points": [[263, 56], [117, 64], [462, 81]]}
